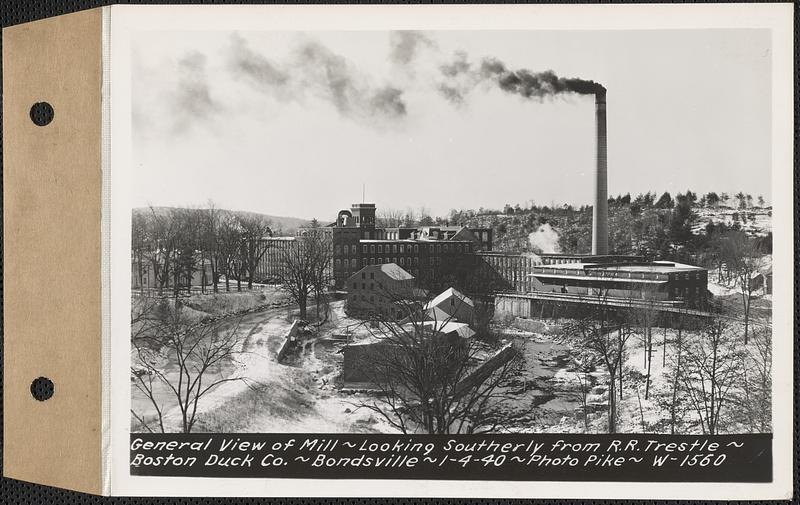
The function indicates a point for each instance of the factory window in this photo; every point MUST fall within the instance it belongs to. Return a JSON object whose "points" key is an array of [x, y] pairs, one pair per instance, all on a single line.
{"points": [[338, 249], [372, 248], [364, 248], [402, 248], [363, 262], [416, 248], [380, 249], [353, 249], [460, 248], [394, 248], [402, 261], [380, 261], [338, 263], [353, 263], [445, 248], [372, 261], [438, 248], [416, 261], [394, 260]]}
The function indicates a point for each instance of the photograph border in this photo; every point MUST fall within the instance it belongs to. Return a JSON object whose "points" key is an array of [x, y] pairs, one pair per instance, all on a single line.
{"points": [[124, 20]]}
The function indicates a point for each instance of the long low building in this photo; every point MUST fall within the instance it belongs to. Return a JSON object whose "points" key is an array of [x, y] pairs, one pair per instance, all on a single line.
{"points": [[657, 280]]}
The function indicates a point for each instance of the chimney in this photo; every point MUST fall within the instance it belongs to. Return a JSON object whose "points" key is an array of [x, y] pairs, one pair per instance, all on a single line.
{"points": [[600, 211]]}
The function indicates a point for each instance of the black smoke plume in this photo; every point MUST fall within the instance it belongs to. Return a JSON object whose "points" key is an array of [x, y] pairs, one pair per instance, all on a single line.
{"points": [[316, 70], [461, 77]]}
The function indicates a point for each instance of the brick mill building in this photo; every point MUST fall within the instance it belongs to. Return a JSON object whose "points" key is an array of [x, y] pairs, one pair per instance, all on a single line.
{"points": [[439, 257]]}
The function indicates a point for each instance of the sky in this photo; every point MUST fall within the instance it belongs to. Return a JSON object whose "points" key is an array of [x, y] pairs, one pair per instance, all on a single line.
{"points": [[304, 124]]}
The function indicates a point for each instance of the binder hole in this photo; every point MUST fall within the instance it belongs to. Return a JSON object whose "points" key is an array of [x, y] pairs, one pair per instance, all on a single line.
{"points": [[42, 388], [42, 113]]}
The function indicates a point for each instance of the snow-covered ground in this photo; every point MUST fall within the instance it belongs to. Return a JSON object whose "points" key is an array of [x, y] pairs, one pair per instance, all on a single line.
{"points": [[753, 221]]}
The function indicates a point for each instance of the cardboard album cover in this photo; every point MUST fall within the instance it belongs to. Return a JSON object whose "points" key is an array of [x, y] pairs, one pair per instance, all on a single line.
{"points": [[467, 251]]}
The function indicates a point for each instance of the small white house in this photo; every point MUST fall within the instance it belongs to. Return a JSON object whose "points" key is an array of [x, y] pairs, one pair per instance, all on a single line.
{"points": [[451, 305]]}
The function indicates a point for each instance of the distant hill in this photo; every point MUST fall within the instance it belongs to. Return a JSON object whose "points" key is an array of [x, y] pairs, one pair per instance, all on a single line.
{"points": [[281, 225]]}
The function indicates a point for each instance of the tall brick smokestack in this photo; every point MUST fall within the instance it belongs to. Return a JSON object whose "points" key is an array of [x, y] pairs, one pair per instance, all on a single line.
{"points": [[600, 211]]}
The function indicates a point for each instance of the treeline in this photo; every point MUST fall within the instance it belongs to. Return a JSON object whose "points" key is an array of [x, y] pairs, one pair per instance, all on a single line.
{"points": [[656, 227], [173, 245]]}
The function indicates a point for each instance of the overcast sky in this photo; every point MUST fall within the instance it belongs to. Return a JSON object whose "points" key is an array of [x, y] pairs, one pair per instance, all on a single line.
{"points": [[295, 124]]}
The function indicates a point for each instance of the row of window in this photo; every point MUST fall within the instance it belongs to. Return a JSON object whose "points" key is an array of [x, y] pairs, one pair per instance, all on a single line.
{"points": [[371, 286], [340, 263], [400, 248], [343, 249]]}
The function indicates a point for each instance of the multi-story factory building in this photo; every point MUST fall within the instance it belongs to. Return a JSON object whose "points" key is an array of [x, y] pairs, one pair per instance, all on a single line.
{"points": [[426, 252], [271, 268]]}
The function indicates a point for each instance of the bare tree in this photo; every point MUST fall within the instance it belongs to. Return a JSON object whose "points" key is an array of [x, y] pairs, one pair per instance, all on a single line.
{"points": [[323, 274], [180, 363], [742, 259], [229, 241], [164, 237], [187, 224], [644, 315], [676, 372], [209, 230], [390, 218], [583, 365], [431, 379], [410, 217], [755, 400], [306, 267], [594, 332], [711, 372], [253, 231]]}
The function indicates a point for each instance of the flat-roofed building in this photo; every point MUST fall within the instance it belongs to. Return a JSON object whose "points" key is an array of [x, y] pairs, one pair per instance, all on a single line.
{"points": [[657, 280]]}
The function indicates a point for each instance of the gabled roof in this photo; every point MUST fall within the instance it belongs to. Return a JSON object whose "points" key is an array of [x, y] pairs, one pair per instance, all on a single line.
{"points": [[463, 233], [446, 294], [392, 270], [395, 271], [462, 329]]}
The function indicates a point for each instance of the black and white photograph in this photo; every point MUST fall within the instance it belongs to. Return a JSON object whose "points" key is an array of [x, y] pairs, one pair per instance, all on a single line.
{"points": [[451, 232]]}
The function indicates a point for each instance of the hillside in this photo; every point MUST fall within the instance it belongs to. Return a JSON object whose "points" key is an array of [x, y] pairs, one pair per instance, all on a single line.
{"points": [[279, 224], [679, 229], [755, 221]]}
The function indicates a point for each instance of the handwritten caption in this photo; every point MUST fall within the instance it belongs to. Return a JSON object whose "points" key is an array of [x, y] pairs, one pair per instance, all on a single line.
{"points": [[513, 457]]}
